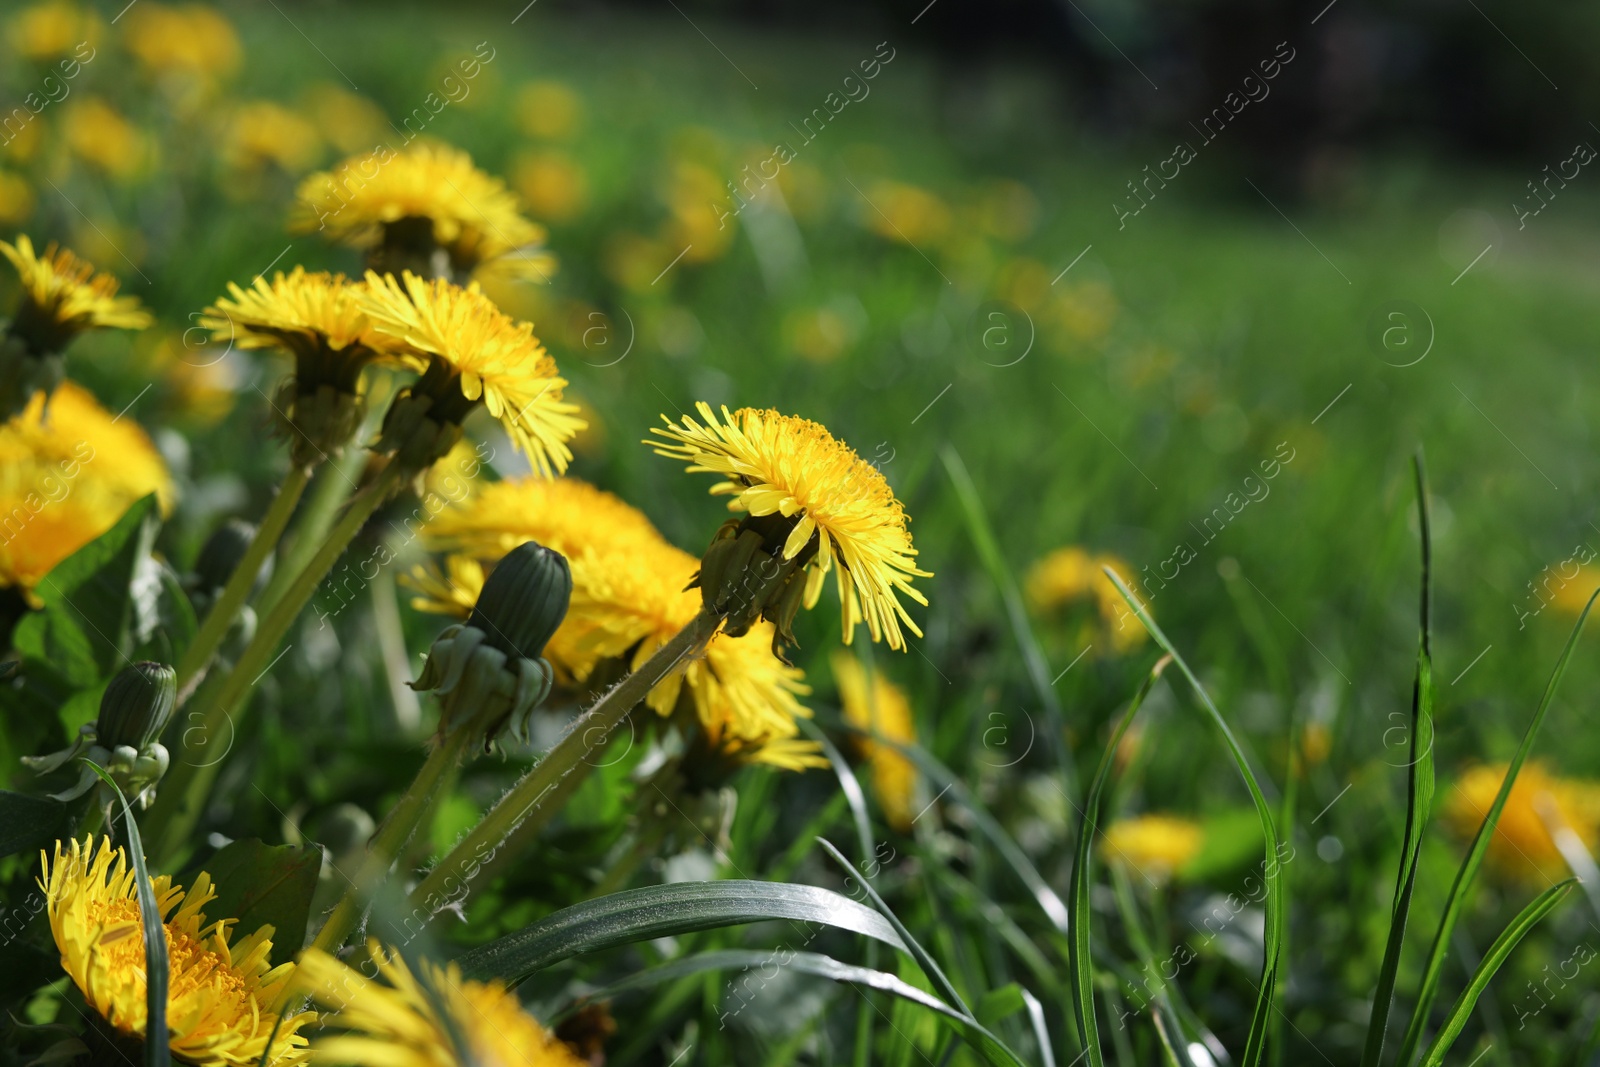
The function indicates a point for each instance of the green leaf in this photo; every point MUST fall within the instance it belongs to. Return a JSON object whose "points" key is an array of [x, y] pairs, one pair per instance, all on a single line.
{"points": [[85, 628], [166, 620], [998, 1004], [1541, 906], [157, 968], [30, 822], [1272, 868], [1080, 961], [1419, 792], [266, 885], [662, 910], [1461, 887], [821, 966]]}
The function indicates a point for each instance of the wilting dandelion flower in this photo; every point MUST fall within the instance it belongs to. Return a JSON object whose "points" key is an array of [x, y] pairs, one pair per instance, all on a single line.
{"points": [[62, 296], [880, 707], [428, 209], [430, 1017], [812, 504], [67, 479], [629, 597], [221, 991], [468, 351], [1155, 847], [1524, 845], [317, 318]]}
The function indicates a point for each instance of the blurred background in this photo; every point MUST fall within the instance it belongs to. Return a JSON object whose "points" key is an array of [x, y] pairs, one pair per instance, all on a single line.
{"points": [[1119, 259]]}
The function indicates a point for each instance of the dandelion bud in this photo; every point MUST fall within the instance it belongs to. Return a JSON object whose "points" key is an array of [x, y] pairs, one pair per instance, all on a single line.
{"points": [[489, 671], [137, 705], [744, 577]]}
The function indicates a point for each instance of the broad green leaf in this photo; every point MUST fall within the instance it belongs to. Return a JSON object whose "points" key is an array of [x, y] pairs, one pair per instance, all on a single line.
{"points": [[1419, 792], [157, 1051], [28, 823], [1080, 960], [998, 1004], [84, 630], [265, 885], [658, 911], [1461, 887], [1541, 906]]}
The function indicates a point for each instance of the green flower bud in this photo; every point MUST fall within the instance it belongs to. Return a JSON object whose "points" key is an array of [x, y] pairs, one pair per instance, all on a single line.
{"points": [[743, 576], [524, 600], [137, 705]]}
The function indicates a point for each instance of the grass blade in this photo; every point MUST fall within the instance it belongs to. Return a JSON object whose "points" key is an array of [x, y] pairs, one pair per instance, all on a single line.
{"points": [[1272, 869], [1419, 792], [157, 1046], [1080, 964], [1541, 906], [656, 911], [994, 562], [1468, 871]]}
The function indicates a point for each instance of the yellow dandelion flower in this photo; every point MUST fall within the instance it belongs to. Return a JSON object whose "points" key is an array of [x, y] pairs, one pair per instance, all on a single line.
{"points": [[630, 596], [880, 707], [63, 296], [451, 590], [348, 121], [16, 198], [1574, 593], [1153, 846], [1072, 574], [49, 30], [430, 1017], [1522, 846], [222, 991], [101, 137], [66, 480], [193, 40], [471, 351], [907, 214], [547, 109], [261, 132], [425, 197], [552, 183], [841, 508]]}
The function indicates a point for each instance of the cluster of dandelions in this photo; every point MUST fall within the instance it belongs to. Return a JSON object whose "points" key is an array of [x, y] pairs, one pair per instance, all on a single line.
{"points": [[558, 586]]}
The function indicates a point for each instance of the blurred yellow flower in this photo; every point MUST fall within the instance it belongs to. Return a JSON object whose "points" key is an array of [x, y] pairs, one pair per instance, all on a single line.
{"points": [[905, 213], [548, 109], [475, 219], [104, 139], [1024, 282], [204, 387], [16, 198], [1072, 574], [1574, 593], [1083, 312], [880, 707], [823, 334], [349, 122], [49, 30], [259, 132], [63, 296], [1523, 846], [697, 226], [191, 40], [1156, 847], [552, 184], [1006, 210], [221, 1000], [634, 261], [422, 1019]]}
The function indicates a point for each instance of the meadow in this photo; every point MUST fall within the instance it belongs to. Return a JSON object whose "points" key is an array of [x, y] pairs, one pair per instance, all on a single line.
{"points": [[1223, 398]]}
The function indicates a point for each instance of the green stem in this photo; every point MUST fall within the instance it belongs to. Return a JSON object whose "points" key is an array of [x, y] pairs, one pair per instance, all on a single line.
{"points": [[190, 783], [526, 800], [329, 490], [234, 594], [409, 812]]}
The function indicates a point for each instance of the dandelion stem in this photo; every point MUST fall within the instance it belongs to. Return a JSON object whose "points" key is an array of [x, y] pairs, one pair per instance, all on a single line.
{"points": [[190, 782], [409, 812], [529, 798], [222, 614]]}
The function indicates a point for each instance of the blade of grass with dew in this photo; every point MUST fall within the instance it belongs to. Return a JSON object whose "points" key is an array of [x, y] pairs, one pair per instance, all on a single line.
{"points": [[1080, 964], [157, 1045], [1419, 790], [850, 787], [994, 562], [1526, 919], [1272, 869], [1461, 887]]}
